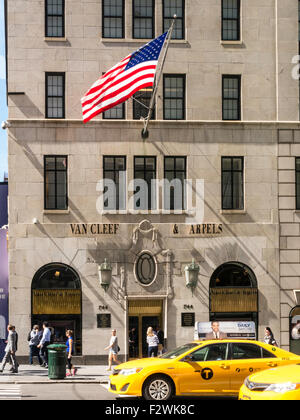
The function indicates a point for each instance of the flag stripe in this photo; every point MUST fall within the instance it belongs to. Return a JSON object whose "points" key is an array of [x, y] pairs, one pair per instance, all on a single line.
{"points": [[134, 72]]}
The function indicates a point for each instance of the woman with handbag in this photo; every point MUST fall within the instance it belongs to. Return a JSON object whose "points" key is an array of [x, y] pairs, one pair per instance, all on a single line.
{"points": [[113, 350]]}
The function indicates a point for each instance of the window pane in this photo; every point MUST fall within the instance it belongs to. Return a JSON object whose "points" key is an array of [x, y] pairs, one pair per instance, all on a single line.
{"points": [[231, 20], [117, 113], [55, 18], [231, 98], [174, 92], [113, 19], [246, 351], [171, 8], [143, 19]]}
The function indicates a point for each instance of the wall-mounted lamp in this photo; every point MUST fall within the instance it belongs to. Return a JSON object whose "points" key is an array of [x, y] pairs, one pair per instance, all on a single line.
{"points": [[191, 275], [105, 273]]}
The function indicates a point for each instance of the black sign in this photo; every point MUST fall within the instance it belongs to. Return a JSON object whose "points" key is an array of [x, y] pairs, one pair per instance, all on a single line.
{"points": [[188, 319], [103, 320]]}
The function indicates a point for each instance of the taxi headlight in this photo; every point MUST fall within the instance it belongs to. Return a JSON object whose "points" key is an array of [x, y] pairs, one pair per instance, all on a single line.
{"points": [[284, 387], [127, 372]]}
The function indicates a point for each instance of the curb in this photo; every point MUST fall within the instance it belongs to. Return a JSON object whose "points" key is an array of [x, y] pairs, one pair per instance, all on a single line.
{"points": [[51, 381]]}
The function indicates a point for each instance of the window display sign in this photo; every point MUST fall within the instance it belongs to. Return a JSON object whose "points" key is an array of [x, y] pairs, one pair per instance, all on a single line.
{"points": [[222, 330]]}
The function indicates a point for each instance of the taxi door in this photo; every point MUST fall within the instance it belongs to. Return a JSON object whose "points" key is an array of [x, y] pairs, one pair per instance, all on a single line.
{"points": [[246, 359], [205, 371]]}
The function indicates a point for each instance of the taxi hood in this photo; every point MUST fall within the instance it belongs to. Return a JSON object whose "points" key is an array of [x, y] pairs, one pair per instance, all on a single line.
{"points": [[282, 374], [142, 363]]}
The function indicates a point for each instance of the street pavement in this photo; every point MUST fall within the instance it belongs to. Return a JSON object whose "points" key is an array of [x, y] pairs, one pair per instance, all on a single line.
{"points": [[38, 375]]}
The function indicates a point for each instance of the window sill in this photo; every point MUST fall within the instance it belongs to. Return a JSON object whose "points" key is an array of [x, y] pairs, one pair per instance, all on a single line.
{"points": [[231, 42], [53, 39], [56, 212], [233, 212], [150, 212], [139, 41]]}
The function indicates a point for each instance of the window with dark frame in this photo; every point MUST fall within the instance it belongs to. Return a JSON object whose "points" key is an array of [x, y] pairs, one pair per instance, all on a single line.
{"points": [[174, 96], [145, 170], [143, 19], [232, 183], [141, 104], [231, 20], [175, 177], [56, 182], [55, 18], [115, 113], [114, 169], [231, 97], [113, 19], [297, 183], [55, 95], [171, 8]]}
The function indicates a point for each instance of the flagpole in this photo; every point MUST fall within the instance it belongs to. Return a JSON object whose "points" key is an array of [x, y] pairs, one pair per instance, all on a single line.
{"points": [[145, 132]]}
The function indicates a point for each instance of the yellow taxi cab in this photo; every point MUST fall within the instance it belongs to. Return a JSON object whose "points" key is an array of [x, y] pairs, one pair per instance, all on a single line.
{"points": [[197, 368], [282, 383]]}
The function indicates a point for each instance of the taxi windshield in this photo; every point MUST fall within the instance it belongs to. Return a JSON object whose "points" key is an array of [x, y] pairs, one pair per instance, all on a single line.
{"points": [[180, 350]]}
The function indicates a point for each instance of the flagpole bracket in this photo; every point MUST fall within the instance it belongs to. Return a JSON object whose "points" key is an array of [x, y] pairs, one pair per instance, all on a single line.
{"points": [[145, 133]]}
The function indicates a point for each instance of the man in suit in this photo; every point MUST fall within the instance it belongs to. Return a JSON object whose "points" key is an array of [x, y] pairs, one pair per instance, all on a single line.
{"points": [[10, 350], [216, 334]]}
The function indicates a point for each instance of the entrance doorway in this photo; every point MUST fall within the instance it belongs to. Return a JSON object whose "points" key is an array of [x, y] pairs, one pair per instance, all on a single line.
{"points": [[142, 314], [56, 298]]}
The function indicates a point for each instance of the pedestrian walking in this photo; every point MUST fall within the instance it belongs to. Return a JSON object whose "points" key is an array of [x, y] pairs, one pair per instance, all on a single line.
{"points": [[113, 350], [152, 341], [34, 338], [44, 343], [269, 337], [161, 339], [10, 350], [70, 351]]}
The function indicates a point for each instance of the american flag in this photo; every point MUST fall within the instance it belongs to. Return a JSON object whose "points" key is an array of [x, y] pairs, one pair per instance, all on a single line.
{"points": [[133, 73]]}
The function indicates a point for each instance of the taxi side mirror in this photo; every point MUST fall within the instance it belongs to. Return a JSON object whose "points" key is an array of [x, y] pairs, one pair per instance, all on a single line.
{"points": [[188, 359]]}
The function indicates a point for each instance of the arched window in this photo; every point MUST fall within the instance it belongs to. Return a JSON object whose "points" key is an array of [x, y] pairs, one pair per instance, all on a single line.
{"points": [[233, 274], [233, 293], [56, 276]]}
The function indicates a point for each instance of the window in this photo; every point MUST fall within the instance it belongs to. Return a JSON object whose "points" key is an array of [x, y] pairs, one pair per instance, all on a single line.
{"points": [[231, 97], [231, 20], [55, 182], [297, 183], [113, 19], [145, 185], [55, 95], [141, 104], [246, 351], [145, 269], [114, 169], [143, 19], [174, 188], [171, 8], [174, 97], [210, 353], [232, 183], [115, 113], [55, 18]]}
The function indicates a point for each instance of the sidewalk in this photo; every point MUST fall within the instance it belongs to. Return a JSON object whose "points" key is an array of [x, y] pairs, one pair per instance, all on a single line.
{"points": [[37, 375]]}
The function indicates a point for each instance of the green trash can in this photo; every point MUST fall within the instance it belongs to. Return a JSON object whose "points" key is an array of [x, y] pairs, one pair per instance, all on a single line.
{"points": [[57, 360]]}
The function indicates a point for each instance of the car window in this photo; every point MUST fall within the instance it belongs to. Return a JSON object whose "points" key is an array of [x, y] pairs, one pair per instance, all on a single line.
{"points": [[267, 354], [213, 352], [246, 351], [179, 350]]}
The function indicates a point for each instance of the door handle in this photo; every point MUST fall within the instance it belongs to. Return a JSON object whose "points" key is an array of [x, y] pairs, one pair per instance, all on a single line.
{"points": [[272, 364], [225, 366]]}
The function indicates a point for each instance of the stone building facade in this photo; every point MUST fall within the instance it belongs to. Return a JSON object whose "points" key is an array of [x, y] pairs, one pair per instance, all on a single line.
{"points": [[249, 238]]}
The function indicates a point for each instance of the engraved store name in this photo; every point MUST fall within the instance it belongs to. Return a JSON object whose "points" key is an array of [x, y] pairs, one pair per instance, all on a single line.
{"points": [[94, 229]]}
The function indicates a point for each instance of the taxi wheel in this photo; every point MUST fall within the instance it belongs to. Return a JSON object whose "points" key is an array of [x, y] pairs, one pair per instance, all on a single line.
{"points": [[158, 388]]}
